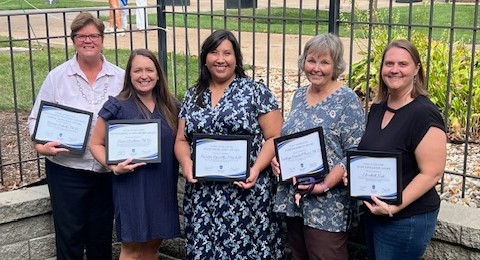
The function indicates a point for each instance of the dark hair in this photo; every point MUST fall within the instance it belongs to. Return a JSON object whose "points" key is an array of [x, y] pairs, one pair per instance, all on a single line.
{"points": [[419, 83], [165, 102], [325, 43], [210, 44], [83, 19]]}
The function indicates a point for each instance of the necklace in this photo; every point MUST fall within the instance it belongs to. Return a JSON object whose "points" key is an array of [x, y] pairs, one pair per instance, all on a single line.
{"points": [[92, 101]]}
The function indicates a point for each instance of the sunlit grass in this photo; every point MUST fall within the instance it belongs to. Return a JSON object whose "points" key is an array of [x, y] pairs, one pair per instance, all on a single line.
{"points": [[31, 67], [41, 4]]}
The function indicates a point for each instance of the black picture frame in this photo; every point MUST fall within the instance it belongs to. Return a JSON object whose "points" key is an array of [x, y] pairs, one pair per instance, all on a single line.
{"points": [[132, 140], [223, 158], [309, 144], [68, 125], [373, 171]]}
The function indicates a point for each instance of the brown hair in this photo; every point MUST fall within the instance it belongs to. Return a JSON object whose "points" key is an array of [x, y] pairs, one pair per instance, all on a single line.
{"points": [[165, 102], [419, 82], [83, 19]]}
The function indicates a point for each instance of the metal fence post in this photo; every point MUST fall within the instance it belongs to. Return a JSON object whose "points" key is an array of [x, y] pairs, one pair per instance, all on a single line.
{"points": [[162, 35], [333, 15]]}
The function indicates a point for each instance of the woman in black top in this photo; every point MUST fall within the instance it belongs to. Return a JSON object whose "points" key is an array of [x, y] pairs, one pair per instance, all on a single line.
{"points": [[402, 119]]}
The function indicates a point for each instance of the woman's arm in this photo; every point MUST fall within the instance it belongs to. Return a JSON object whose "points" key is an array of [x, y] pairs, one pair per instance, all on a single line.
{"points": [[271, 125], [431, 155], [182, 152], [97, 147], [97, 142]]}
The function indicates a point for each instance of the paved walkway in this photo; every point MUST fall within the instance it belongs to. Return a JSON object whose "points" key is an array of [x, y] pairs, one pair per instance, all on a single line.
{"points": [[276, 51]]}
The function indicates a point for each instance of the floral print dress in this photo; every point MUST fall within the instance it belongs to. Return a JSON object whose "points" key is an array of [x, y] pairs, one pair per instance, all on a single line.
{"points": [[343, 121], [223, 221]]}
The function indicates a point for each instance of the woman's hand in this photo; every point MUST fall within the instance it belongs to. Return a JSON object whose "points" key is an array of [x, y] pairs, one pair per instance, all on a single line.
{"points": [[250, 181], [345, 178], [275, 166], [50, 148], [187, 172], [379, 207], [125, 167]]}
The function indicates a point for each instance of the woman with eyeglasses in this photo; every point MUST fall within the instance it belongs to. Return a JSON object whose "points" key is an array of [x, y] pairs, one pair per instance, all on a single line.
{"points": [[80, 187]]}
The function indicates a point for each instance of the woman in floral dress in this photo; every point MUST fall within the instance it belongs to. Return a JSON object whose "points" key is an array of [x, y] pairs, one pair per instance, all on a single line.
{"points": [[225, 220]]}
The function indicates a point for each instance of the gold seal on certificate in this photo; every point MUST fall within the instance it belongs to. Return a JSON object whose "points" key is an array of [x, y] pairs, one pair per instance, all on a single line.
{"points": [[138, 139], [221, 157], [375, 173], [302, 154], [67, 125]]}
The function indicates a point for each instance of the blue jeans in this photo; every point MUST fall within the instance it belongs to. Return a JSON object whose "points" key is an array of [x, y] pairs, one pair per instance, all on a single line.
{"points": [[399, 239]]}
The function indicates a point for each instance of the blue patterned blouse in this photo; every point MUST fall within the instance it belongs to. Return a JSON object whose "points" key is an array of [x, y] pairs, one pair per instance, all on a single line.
{"points": [[236, 112], [223, 221], [343, 121]]}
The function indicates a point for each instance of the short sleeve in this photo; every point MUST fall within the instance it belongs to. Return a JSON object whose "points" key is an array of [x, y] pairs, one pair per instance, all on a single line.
{"points": [[186, 102], [110, 109], [264, 99], [428, 116]]}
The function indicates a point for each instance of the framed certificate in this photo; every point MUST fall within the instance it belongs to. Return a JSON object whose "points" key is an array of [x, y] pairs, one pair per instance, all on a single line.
{"points": [[302, 154], [375, 173], [67, 125], [221, 157], [139, 139]]}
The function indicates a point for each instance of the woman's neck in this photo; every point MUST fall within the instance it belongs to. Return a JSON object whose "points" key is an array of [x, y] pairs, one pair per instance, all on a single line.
{"points": [[316, 94], [397, 100], [147, 100], [220, 86], [91, 68]]}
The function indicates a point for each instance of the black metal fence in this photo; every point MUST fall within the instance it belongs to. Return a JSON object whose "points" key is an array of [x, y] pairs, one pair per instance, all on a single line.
{"points": [[271, 34]]}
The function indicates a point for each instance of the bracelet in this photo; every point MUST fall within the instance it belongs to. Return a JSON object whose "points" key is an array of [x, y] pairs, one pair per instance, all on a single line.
{"points": [[324, 186], [389, 212]]}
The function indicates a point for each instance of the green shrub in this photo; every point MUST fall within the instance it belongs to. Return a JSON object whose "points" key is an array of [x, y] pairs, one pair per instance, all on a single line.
{"points": [[453, 84]]}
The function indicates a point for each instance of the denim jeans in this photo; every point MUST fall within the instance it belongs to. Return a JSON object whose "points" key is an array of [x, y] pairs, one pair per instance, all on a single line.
{"points": [[403, 239]]}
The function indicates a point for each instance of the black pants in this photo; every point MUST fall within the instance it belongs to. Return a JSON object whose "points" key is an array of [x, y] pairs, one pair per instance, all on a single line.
{"points": [[82, 212]]}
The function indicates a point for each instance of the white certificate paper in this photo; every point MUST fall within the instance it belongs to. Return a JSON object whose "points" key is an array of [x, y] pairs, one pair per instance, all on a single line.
{"points": [[136, 139], [221, 158], [374, 174], [66, 125], [301, 154]]}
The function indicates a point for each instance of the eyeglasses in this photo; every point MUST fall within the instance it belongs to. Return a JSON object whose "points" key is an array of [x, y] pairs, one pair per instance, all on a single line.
{"points": [[83, 37]]}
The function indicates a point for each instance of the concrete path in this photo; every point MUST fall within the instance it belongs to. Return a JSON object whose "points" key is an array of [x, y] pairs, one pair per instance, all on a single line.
{"points": [[259, 49]]}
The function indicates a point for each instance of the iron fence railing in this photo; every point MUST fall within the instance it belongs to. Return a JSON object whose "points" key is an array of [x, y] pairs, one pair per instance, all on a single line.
{"points": [[271, 34]]}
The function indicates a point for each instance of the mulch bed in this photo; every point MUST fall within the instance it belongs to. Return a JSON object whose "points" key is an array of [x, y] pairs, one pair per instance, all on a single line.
{"points": [[20, 165]]}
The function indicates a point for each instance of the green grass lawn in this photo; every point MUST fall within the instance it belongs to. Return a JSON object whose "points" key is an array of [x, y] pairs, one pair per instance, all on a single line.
{"points": [[40, 4], [27, 81], [279, 21], [311, 22]]}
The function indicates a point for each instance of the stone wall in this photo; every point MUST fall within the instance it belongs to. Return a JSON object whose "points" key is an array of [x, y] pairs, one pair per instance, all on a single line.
{"points": [[26, 227], [26, 230]]}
